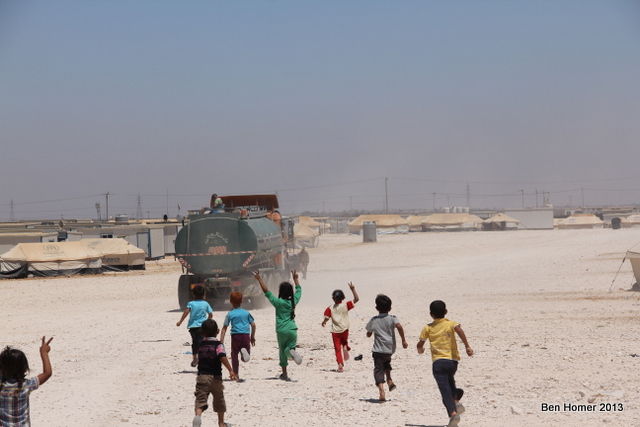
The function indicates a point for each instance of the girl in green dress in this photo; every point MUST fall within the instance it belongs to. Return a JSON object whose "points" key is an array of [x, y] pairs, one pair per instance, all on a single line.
{"points": [[286, 328]]}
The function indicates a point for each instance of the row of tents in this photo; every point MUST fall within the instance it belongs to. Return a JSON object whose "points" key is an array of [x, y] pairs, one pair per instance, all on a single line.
{"points": [[434, 222], [87, 256], [469, 222]]}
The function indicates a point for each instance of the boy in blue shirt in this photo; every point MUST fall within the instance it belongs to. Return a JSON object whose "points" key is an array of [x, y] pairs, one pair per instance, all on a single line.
{"points": [[241, 321], [198, 311]]}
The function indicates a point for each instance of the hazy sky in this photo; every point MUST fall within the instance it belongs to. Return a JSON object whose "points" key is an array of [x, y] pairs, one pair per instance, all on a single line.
{"points": [[319, 101]]}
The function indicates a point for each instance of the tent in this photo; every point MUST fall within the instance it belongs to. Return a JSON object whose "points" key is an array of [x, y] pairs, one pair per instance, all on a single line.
{"points": [[580, 221], [634, 258], [304, 236], [50, 259], [117, 254], [385, 224], [308, 221], [415, 222], [500, 221], [451, 222], [90, 256], [631, 221]]}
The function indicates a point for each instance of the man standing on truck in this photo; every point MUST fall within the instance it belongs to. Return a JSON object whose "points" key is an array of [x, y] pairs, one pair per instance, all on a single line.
{"points": [[216, 204], [303, 259]]}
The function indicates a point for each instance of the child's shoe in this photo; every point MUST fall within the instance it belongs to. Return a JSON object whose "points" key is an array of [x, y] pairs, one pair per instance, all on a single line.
{"points": [[197, 421], [296, 357], [459, 408], [454, 421], [245, 355]]}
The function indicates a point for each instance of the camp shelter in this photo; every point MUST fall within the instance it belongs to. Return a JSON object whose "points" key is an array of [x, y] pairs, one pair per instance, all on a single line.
{"points": [[9, 240], [308, 221], [149, 237], [50, 259], [117, 254], [634, 258], [630, 221], [385, 224], [415, 222], [304, 236], [580, 221], [451, 222], [500, 221]]}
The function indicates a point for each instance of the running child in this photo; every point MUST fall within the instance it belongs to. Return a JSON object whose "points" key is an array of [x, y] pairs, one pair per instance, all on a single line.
{"points": [[241, 322], [211, 358], [286, 328], [383, 327], [15, 388], [339, 315], [445, 356], [198, 311]]}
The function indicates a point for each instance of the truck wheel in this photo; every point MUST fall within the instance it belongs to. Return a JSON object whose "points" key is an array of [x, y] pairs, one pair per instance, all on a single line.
{"points": [[184, 291]]}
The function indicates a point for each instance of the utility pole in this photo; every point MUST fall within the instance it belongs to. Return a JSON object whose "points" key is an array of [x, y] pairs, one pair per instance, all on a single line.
{"points": [[583, 197], [12, 216], [98, 212], [386, 196], [107, 196], [434, 201], [139, 207], [522, 191], [468, 197]]}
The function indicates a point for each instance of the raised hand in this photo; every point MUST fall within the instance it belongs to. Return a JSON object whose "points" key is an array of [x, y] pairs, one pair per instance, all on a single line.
{"points": [[45, 345]]}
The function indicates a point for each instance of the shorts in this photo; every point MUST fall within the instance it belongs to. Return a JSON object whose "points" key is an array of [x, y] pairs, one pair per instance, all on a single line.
{"points": [[206, 384]]}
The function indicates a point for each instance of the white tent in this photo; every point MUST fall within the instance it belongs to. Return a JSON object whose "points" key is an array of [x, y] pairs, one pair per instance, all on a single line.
{"points": [[631, 221], [452, 222], [500, 221], [90, 256], [415, 222], [580, 221], [634, 258], [51, 259], [117, 254], [385, 223], [304, 236]]}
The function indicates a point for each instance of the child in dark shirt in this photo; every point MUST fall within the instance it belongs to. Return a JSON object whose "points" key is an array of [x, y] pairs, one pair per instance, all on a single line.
{"points": [[211, 357]]}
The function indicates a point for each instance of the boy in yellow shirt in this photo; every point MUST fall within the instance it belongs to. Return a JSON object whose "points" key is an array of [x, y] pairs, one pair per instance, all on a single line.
{"points": [[445, 356]]}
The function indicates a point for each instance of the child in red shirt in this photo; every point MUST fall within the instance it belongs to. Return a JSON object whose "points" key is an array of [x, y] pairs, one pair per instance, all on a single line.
{"points": [[339, 315]]}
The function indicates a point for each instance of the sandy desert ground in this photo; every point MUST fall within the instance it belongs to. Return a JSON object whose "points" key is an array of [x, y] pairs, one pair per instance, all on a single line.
{"points": [[536, 306]]}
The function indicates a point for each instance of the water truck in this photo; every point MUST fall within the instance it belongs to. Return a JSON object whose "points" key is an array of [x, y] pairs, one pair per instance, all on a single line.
{"points": [[221, 249]]}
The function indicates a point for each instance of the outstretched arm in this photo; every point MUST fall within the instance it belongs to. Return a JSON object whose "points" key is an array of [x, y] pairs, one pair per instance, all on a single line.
{"points": [[227, 365], [184, 316], [223, 332], [253, 333], [405, 344], [47, 371], [353, 291], [420, 346], [259, 279], [295, 277], [463, 337]]}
